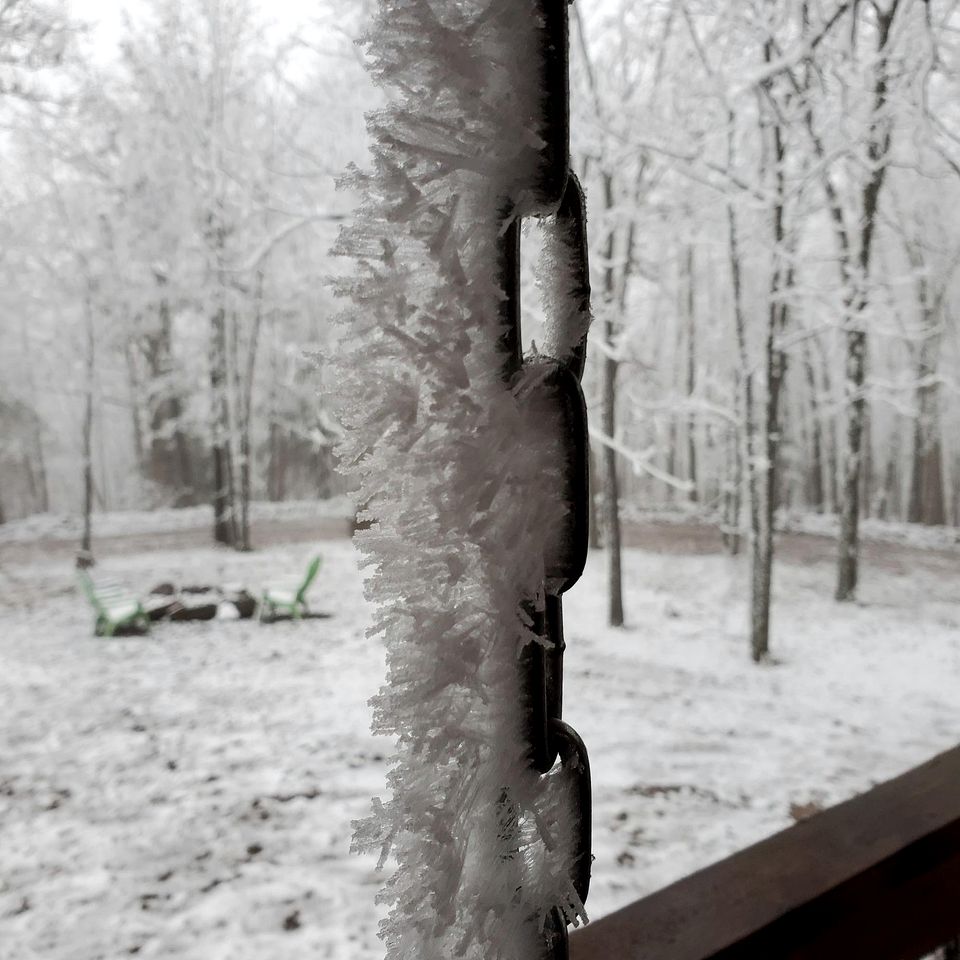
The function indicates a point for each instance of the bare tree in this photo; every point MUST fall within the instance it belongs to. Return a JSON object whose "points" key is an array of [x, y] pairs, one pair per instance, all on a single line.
{"points": [[611, 486], [855, 266]]}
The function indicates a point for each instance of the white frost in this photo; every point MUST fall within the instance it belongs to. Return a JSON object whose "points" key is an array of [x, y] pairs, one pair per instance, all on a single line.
{"points": [[452, 468]]}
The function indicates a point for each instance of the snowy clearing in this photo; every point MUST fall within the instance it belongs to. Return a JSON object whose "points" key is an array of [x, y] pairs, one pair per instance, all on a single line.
{"points": [[189, 795]]}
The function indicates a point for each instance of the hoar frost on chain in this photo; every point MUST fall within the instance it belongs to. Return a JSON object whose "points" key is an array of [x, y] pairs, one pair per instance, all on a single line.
{"points": [[458, 478]]}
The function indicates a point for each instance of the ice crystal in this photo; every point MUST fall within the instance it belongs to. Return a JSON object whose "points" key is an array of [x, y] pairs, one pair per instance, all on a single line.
{"points": [[457, 479]]}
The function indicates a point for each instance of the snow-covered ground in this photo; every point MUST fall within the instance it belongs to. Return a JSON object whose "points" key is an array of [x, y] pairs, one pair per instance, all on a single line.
{"points": [[190, 795]]}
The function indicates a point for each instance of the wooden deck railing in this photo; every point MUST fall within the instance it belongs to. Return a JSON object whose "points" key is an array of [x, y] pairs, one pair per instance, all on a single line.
{"points": [[875, 878]]}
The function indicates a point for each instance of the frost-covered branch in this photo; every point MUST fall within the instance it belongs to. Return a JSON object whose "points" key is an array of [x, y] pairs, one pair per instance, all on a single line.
{"points": [[640, 460], [796, 56], [256, 259]]}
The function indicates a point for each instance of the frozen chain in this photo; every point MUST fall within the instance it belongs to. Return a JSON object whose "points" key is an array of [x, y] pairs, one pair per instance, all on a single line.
{"points": [[555, 196]]}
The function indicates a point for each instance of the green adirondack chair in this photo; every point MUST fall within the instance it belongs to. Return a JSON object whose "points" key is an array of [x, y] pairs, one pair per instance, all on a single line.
{"points": [[288, 598], [114, 606]]}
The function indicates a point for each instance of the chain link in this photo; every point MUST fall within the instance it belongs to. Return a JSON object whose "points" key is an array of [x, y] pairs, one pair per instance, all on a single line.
{"points": [[559, 197]]}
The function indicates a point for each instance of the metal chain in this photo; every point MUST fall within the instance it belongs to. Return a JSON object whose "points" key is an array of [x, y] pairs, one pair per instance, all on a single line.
{"points": [[559, 197]]}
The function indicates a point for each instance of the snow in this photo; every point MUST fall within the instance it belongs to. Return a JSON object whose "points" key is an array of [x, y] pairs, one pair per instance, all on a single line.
{"points": [[696, 753], [190, 795], [185, 795]]}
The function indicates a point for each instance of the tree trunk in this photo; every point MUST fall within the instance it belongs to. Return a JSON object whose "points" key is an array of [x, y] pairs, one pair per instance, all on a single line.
{"points": [[733, 484], [136, 413], [691, 375], [673, 442], [831, 468], [611, 493], [927, 503], [760, 568], [765, 489], [914, 500], [935, 498], [766, 486], [887, 500], [190, 490], [932, 497], [224, 516], [866, 474], [86, 541], [611, 496], [815, 486], [927, 497], [246, 407], [234, 402], [849, 544], [169, 462], [276, 483], [596, 540], [878, 150], [245, 542], [42, 499], [744, 434]]}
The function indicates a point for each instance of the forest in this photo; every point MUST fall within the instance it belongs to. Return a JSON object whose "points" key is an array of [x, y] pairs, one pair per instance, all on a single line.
{"points": [[168, 208], [775, 264], [778, 267]]}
